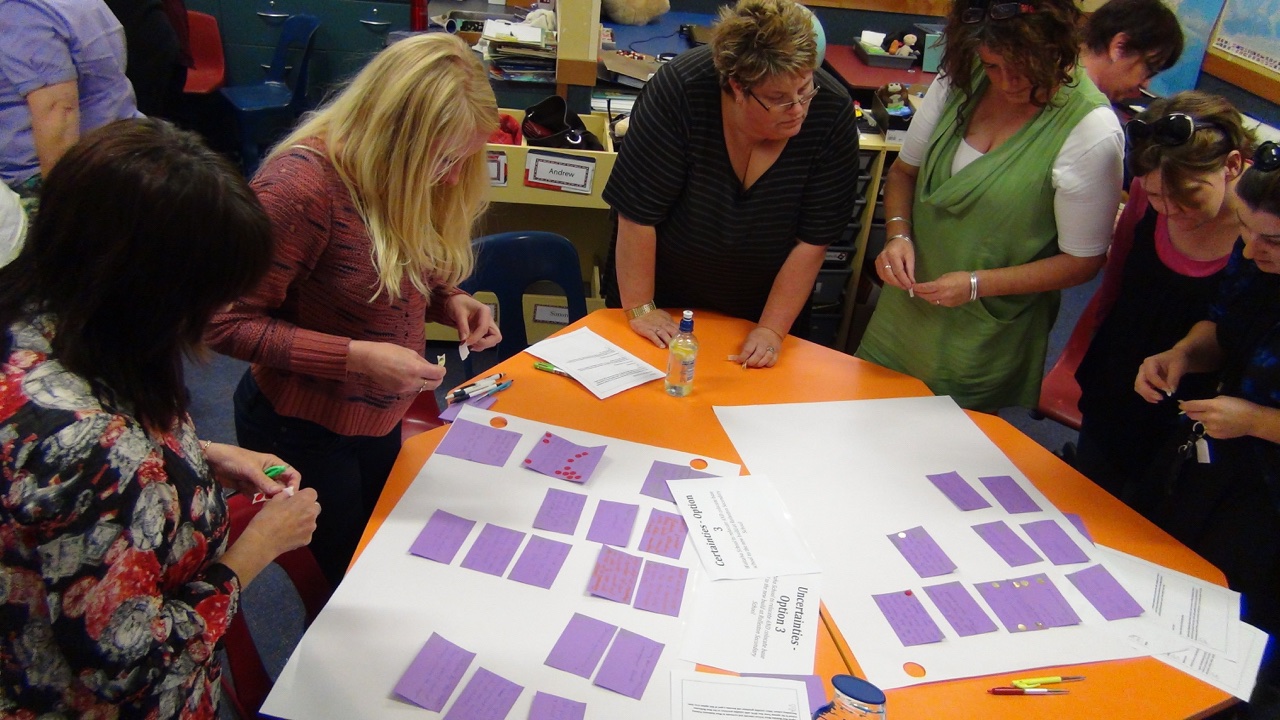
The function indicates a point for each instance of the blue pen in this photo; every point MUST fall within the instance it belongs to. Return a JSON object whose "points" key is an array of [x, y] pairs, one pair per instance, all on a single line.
{"points": [[499, 387]]}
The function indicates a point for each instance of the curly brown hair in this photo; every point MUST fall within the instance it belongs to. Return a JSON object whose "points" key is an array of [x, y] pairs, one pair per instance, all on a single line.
{"points": [[1260, 189], [1043, 41], [757, 39], [1222, 132]]}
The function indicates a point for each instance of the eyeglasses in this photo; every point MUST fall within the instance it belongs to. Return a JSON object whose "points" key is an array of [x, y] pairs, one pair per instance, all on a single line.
{"points": [[980, 10], [1267, 157], [804, 100], [1171, 130]]}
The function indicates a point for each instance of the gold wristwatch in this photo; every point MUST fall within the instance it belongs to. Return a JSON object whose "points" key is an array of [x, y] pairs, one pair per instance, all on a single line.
{"points": [[644, 309]]}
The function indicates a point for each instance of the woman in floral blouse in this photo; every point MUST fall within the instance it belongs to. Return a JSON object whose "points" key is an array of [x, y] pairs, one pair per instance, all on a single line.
{"points": [[116, 582]]}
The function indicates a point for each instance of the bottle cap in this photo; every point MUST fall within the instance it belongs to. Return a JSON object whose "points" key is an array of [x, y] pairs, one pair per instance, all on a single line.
{"points": [[857, 689], [686, 321]]}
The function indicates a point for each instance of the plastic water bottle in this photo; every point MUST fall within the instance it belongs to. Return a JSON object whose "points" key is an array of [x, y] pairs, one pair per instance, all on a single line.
{"points": [[681, 359], [853, 698]]}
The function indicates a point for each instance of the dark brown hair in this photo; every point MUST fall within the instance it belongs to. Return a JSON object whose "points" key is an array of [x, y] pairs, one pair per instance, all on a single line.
{"points": [[1151, 29], [142, 234], [757, 39], [1260, 190], [1206, 151], [1043, 44]]}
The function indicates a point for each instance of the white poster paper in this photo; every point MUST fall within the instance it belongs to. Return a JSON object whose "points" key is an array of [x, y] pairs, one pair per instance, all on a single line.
{"points": [[703, 696], [602, 367], [765, 625]]}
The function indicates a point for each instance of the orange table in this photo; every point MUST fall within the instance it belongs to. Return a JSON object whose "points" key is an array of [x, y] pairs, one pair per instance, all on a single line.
{"points": [[1139, 688]]}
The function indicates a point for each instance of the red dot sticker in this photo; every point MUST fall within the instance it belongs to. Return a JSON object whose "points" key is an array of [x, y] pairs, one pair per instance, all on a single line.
{"points": [[559, 472], [908, 593], [546, 441], [527, 461]]}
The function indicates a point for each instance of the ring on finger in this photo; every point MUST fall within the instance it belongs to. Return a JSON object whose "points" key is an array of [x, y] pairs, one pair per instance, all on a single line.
{"points": [[769, 349], [887, 266]]}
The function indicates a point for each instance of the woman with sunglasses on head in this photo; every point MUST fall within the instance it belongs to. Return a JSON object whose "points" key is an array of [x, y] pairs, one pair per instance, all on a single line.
{"points": [[736, 174], [1004, 193], [1170, 247], [1227, 507], [372, 200]]}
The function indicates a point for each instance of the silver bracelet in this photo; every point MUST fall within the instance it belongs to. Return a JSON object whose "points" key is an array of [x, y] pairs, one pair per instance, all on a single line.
{"points": [[895, 218], [973, 286], [900, 235]]}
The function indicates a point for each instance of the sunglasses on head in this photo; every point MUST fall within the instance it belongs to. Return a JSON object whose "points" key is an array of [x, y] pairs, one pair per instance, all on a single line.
{"points": [[1171, 130], [1267, 157], [980, 10]]}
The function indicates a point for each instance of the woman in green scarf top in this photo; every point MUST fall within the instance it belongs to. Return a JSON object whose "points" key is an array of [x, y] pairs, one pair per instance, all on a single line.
{"points": [[1005, 192]]}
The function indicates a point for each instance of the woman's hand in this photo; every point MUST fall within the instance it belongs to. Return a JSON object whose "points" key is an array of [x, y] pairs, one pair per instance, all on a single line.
{"points": [[244, 470], [474, 321], [759, 349], [394, 368], [1159, 375], [950, 290], [284, 523], [656, 325], [1223, 417], [896, 264]]}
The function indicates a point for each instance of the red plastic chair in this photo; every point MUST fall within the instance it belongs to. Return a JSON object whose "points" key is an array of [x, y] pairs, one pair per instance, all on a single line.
{"points": [[210, 71], [1059, 391], [249, 684]]}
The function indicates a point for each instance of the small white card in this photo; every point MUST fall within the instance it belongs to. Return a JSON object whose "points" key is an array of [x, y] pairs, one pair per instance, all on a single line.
{"points": [[497, 163]]}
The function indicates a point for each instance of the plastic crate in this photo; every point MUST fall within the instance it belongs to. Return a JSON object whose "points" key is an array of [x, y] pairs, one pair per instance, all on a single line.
{"points": [[829, 286]]}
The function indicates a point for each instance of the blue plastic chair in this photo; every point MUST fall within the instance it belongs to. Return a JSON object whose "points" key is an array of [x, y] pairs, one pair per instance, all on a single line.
{"points": [[266, 107], [508, 263]]}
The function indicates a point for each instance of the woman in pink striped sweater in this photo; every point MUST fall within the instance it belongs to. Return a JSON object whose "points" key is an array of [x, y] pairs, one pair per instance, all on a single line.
{"points": [[372, 201]]}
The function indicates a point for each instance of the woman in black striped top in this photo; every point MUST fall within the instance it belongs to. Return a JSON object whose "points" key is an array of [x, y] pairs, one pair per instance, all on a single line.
{"points": [[737, 172]]}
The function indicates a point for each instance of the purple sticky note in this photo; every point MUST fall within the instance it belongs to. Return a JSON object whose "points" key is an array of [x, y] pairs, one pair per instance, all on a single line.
{"points": [[958, 491], [1009, 494], [1079, 523], [908, 618], [812, 683], [540, 562], [664, 534], [553, 707], [1006, 543], [629, 665], [479, 443], [434, 673], [612, 523], [483, 402], [1105, 593], [1029, 603], [487, 696], [1054, 542], [655, 483], [963, 613], [493, 549], [560, 511], [661, 588], [553, 455], [581, 645], [922, 552], [615, 575], [442, 536]]}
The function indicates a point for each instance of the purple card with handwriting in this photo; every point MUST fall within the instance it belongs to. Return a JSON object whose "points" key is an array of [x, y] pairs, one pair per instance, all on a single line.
{"points": [[664, 534], [1105, 593], [1078, 522], [1009, 494], [958, 491], [655, 483], [1054, 542], [615, 575], [612, 523], [1006, 543], [629, 665], [661, 588], [553, 707], [560, 511], [922, 552], [559, 458], [540, 562], [581, 645], [442, 537], [450, 413], [1029, 603], [962, 612], [479, 443], [434, 673], [487, 696], [908, 618], [493, 549]]}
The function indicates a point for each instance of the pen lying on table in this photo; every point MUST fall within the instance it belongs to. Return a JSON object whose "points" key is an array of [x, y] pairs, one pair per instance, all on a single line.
{"points": [[1025, 691]]}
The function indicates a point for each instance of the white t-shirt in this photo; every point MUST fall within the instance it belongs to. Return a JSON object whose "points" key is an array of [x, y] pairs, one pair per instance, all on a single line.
{"points": [[1087, 174], [13, 225]]}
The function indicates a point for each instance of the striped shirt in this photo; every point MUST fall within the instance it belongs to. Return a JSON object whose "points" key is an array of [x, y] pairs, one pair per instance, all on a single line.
{"points": [[720, 247]]}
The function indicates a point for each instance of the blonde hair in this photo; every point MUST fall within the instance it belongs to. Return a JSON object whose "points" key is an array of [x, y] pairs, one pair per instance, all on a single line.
{"points": [[393, 134], [758, 39]]}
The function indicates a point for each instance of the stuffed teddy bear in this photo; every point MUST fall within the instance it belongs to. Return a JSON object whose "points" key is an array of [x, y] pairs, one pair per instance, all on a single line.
{"points": [[634, 12]]}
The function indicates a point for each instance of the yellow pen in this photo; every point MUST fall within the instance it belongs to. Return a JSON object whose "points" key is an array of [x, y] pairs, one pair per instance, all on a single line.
{"points": [[1026, 683]]}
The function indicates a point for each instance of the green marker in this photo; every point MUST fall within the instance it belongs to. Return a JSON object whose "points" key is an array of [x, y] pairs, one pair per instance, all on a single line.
{"points": [[275, 471]]}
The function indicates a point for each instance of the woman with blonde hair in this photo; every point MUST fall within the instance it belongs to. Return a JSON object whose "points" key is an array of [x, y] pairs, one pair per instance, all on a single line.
{"points": [[372, 201]]}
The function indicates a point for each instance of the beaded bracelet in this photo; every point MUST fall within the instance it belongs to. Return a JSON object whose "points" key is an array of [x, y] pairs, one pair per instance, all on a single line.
{"points": [[204, 445], [973, 286]]}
